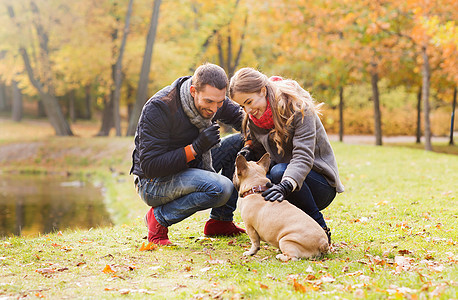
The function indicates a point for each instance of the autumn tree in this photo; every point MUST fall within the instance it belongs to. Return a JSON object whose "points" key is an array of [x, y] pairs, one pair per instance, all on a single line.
{"points": [[142, 88], [36, 33]]}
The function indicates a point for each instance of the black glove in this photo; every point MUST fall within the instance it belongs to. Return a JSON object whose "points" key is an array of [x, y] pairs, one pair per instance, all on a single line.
{"points": [[207, 139], [246, 152], [278, 192]]}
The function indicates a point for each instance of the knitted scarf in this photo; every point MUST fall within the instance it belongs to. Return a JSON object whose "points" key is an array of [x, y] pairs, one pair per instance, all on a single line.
{"points": [[187, 102], [265, 121]]}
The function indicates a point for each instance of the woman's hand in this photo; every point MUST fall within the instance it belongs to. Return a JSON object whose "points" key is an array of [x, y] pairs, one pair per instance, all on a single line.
{"points": [[278, 192], [246, 152]]}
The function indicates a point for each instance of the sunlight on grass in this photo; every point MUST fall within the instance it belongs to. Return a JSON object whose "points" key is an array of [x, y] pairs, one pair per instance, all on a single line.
{"points": [[393, 230]]}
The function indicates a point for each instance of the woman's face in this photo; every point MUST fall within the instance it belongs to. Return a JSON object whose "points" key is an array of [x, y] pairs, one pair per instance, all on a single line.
{"points": [[254, 104]]}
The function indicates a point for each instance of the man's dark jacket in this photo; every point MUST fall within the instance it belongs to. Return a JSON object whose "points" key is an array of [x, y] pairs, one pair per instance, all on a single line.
{"points": [[164, 130]]}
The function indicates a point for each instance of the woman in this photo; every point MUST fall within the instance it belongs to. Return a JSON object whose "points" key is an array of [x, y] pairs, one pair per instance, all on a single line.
{"points": [[282, 119]]}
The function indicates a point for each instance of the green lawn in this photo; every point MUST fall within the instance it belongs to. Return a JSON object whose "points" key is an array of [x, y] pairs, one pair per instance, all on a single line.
{"points": [[394, 234]]}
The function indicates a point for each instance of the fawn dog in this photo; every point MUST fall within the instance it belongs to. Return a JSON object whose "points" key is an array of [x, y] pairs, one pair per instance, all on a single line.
{"points": [[280, 224]]}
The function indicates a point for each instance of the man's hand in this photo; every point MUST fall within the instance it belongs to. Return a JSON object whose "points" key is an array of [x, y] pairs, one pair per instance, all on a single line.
{"points": [[277, 192], [208, 138]]}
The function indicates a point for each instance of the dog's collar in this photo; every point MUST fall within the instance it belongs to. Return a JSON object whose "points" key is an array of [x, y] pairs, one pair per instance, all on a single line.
{"points": [[255, 189]]}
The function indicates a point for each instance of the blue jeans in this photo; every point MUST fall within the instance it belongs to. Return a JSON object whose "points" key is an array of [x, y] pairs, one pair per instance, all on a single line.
{"points": [[178, 196], [316, 194]]}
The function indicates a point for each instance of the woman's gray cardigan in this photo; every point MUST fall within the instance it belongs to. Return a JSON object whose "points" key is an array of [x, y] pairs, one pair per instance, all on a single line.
{"points": [[308, 149]]}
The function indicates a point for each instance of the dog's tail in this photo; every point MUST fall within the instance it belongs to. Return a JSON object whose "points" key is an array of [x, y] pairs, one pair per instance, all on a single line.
{"points": [[324, 247]]}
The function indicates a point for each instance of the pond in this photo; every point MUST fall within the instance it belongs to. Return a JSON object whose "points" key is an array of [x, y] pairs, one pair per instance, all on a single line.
{"points": [[39, 204]]}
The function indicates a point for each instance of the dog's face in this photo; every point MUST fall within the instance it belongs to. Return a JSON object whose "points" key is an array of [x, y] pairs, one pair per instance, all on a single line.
{"points": [[250, 170]]}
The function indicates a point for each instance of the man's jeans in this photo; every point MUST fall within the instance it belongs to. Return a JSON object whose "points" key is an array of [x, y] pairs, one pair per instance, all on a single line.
{"points": [[316, 194], [178, 196]]}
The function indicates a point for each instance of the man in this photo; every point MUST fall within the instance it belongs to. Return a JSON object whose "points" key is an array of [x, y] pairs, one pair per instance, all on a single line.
{"points": [[178, 152]]}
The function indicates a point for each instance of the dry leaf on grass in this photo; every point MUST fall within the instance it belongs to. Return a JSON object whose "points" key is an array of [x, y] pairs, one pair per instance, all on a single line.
{"points": [[108, 269], [149, 247]]}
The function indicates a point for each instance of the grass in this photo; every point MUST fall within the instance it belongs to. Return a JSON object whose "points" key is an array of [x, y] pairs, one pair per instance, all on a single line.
{"points": [[394, 236]]}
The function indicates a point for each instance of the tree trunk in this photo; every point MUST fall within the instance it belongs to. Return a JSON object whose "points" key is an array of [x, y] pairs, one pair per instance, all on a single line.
{"points": [[229, 64], [41, 113], [88, 102], [418, 140], [452, 123], [50, 103], [341, 109], [16, 112], [107, 118], [3, 105], [71, 105], [130, 104], [377, 113], [142, 89], [118, 72], [426, 75]]}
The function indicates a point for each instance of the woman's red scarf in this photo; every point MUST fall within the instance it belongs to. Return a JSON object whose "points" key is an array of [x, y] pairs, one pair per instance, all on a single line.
{"points": [[266, 121]]}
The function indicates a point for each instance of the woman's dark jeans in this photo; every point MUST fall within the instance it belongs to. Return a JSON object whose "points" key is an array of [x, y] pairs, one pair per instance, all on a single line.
{"points": [[316, 194]]}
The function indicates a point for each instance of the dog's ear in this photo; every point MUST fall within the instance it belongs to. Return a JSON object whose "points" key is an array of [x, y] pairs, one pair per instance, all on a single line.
{"points": [[265, 162], [241, 164]]}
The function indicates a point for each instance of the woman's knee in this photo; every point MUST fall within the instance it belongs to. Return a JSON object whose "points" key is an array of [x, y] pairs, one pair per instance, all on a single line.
{"points": [[277, 171]]}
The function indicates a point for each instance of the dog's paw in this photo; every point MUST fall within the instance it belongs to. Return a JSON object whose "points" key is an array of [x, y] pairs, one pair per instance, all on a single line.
{"points": [[284, 257], [249, 253]]}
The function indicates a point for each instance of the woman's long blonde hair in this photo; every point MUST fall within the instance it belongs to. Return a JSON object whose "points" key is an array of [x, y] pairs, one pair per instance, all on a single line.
{"points": [[286, 98]]}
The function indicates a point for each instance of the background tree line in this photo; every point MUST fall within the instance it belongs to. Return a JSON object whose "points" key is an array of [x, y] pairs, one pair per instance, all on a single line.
{"points": [[91, 59]]}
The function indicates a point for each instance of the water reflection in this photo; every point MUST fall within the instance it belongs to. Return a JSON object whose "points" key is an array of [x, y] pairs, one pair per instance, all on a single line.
{"points": [[33, 204]]}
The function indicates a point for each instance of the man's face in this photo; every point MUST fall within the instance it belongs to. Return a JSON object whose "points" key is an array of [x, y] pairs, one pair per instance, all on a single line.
{"points": [[208, 100]]}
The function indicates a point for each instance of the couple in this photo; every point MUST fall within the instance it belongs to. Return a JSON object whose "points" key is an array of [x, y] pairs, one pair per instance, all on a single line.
{"points": [[179, 152]]}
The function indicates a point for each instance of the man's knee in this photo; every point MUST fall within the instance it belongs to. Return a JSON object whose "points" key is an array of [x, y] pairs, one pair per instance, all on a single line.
{"points": [[224, 192]]}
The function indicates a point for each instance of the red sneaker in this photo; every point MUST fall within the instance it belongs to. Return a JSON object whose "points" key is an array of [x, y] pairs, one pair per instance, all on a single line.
{"points": [[222, 228], [157, 233]]}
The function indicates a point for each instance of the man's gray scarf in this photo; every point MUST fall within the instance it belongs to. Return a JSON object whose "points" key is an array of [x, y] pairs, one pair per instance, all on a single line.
{"points": [[187, 102]]}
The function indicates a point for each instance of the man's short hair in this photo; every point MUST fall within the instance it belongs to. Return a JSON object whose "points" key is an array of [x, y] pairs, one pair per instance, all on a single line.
{"points": [[210, 74]]}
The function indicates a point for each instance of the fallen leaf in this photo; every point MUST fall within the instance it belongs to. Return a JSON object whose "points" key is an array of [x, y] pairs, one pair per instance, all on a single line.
{"points": [[108, 269], [299, 287], [149, 247], [178, 286], [404, 252], [45, 270], [355, 273], [263, 286], [62, 269], [310, 277], [124, 291]]}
